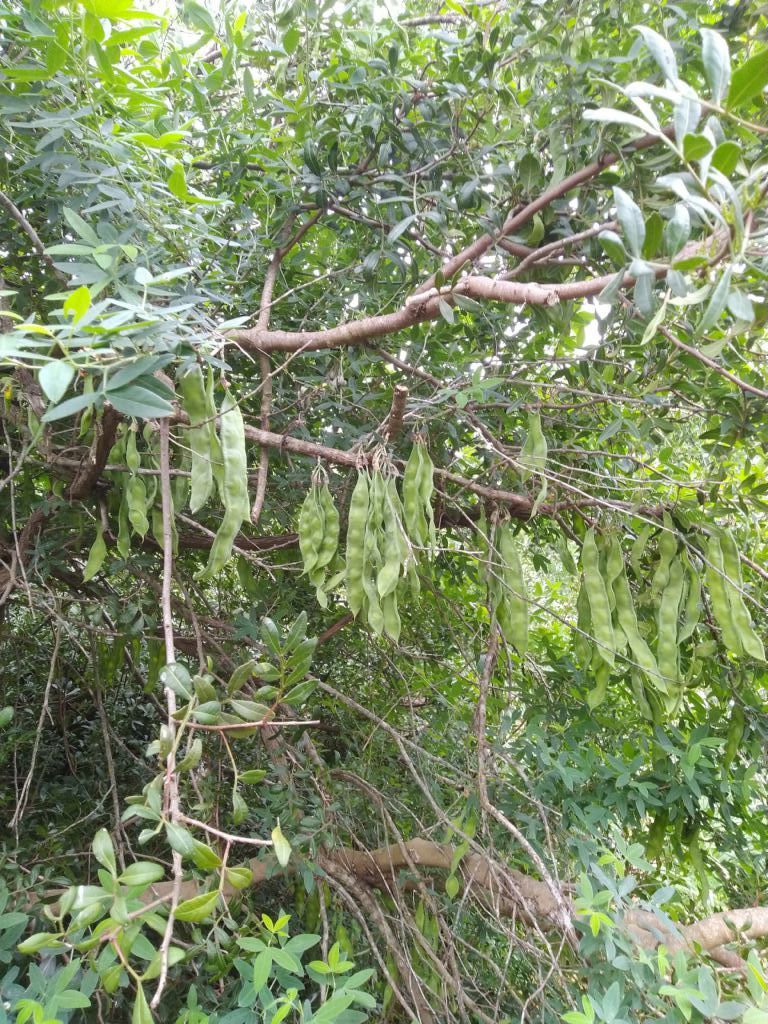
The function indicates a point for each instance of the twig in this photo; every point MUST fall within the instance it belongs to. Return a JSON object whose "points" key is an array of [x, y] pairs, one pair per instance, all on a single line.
{"points": [[171, 785], [491, 656], [750, 388], [226, 836], [15, 213], [24, 794], [262, 324]]}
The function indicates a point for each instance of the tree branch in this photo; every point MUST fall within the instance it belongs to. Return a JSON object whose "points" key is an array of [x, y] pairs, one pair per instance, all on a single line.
{"points": [[15, 214]]}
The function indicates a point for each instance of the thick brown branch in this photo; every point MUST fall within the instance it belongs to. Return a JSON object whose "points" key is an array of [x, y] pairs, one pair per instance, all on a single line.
{"points": [[93, 464], [518, 219], [418, 309], [397, 412]]}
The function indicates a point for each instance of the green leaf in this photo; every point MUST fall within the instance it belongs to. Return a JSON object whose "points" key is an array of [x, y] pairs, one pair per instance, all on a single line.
{"points": [[141, 1011], [240, 677], [749, 80], [631, 219], [104, 851], [176, 677], [96, 556], [238, 877], [446, 311], [741, 306], [192, 757], [55, 377], [177, 182], [613, 246], [249, 710], [262, 967], [179, 838], [140, 402], [252, 776], [78, 303], [717, 63], [270, 634], [71, 999], [71, 406], [6, 716], [452, 886], [717, 303], [329, 1011], [198, 908], [400, 227], [726, 157], [281, 846], [39, 941], [661, 51], [204, 857], [300, 693], [142, 872], [80, 227], [283, 958], [529, 172], [175, 956], [240, 808], [696, 146]]}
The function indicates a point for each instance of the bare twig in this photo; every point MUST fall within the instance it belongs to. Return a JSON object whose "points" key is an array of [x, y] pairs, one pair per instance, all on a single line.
{"points": [[15, 214], [171, 785]]}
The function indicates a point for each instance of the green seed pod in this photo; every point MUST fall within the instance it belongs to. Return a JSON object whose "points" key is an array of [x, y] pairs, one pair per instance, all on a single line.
{"points": [[582, 644], [96, 556], [235, 486], [124, 525], [329, 543], [514, 594], [719, 596], [656, 834], [667, 649], [598, 693], [180, 487], [692, 601], [415, 521], [310, 532], [132, 457], [202, 426], [627, 620], [734, 736], [638, 549], [750, 641], [136, 495], [356, 530], [533, 454], [391, 616], [598, 600], [667, 551]]}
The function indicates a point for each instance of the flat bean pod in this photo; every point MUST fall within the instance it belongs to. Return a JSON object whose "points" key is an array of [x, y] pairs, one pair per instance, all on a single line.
{"points": [[310, 532], [667, 551], [533, 454], [667, 647], [718, 595], [96, 556], [235, 486], [692, 601], [750, 641], [195, 404], [599, 606], [627, 619], [515, 593], [356, 524]]}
